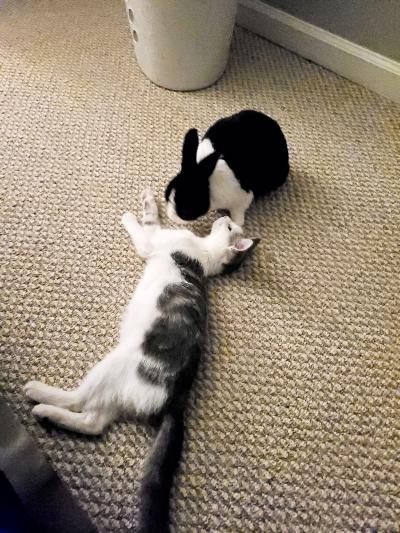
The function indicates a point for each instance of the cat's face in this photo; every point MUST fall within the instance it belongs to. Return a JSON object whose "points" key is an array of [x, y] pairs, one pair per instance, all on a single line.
{"points": [[228, 248], [225, 231]]}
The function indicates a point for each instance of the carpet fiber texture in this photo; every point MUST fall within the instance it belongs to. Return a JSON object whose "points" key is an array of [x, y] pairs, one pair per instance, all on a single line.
{"points": [[293, 423]]}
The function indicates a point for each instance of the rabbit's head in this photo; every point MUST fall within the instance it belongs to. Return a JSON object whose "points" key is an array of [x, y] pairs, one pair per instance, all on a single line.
{"points": [[188, 194]]}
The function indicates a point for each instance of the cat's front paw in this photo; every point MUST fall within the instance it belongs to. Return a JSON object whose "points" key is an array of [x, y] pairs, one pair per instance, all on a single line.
{"points": [[147, 195], [128, 220]]}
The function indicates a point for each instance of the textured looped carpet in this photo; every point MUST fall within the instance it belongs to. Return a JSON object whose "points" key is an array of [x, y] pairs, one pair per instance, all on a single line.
{"points": [[294, 420]]}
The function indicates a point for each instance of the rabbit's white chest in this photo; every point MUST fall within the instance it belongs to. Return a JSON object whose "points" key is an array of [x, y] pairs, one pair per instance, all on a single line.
{"points": [[225, 189]]}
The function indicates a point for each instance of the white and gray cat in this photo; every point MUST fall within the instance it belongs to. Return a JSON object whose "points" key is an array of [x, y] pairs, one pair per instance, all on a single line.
{"points": [[150, 372]]}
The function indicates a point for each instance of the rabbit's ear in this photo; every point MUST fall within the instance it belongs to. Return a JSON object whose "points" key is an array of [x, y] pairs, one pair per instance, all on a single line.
{"points": [[189, 150], [207, 165]]}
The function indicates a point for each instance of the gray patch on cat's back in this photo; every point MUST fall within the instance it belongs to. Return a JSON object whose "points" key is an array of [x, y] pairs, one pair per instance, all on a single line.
{"points": [[191, 269], [151, 373], [178, 335]]}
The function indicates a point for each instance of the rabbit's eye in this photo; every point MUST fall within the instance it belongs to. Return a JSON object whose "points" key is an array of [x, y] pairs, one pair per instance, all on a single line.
{"points": [[229, 227]]}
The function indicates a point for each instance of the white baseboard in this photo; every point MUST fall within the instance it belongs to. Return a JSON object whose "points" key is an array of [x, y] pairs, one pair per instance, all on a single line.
{"points": [[348, 59]]}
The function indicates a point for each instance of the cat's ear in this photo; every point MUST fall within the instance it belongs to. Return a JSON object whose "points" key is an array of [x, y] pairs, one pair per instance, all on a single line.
{"points": [[207, 165], [238, 253], [189, 150]]}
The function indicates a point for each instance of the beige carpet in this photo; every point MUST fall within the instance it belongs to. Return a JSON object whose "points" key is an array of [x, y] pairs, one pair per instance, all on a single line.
{"points": [[294, 420]]}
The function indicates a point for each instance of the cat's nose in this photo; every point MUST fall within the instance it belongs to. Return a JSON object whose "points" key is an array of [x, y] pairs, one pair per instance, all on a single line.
{"points": [[234, 228]]}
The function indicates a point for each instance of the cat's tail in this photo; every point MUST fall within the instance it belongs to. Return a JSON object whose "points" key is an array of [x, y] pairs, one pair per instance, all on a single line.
{"points": [[158, 473]]}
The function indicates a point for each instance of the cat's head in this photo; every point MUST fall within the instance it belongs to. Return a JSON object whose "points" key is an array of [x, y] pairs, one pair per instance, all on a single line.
{"points": [[227, 247], [188, 194]]}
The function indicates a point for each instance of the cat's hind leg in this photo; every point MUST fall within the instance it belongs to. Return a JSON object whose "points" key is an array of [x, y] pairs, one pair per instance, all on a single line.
{"points": [[42, 393], [88, 422]]}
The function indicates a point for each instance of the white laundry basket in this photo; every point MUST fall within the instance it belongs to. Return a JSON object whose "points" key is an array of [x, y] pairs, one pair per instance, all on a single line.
{"points": [[182, 44]]}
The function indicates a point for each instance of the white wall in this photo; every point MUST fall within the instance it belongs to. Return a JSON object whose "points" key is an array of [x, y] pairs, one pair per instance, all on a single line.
{"points": [[374, 24]]}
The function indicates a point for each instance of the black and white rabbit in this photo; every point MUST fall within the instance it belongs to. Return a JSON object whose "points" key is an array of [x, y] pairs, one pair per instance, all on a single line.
{"points": [[239, 158]]}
